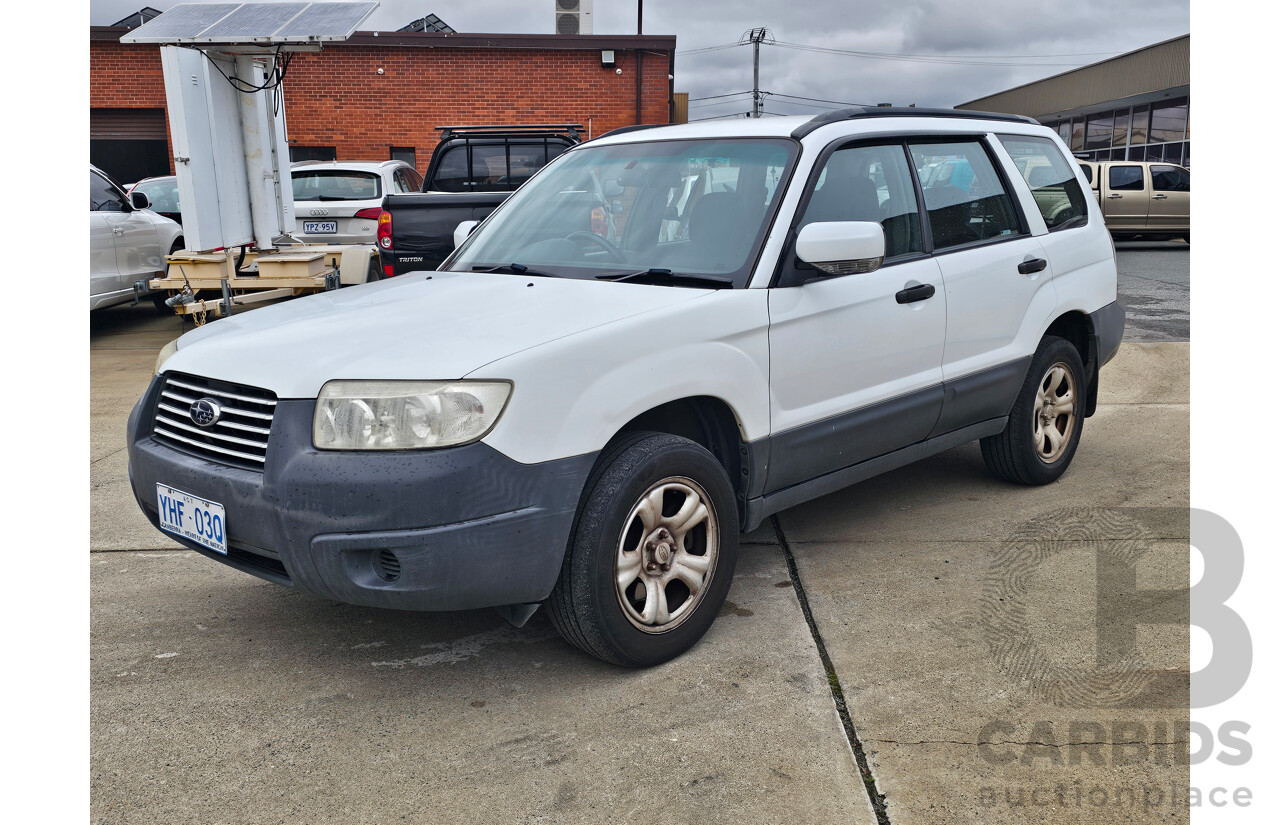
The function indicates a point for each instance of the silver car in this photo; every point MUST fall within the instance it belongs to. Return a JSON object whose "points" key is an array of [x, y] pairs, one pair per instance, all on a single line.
{"points": [[339, 202], [127, 241]]}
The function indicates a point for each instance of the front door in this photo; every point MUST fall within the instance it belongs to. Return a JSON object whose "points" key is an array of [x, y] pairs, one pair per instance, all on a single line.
{"points": [[854, 373]]}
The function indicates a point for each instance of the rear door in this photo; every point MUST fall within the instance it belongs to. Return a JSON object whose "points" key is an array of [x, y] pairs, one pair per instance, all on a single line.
{"points": [[994, 270], [1170, 197], [1126, 196]]}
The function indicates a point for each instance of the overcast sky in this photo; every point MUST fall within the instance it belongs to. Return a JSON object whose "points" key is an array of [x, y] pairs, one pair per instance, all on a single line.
{"points": [[989, 46]]}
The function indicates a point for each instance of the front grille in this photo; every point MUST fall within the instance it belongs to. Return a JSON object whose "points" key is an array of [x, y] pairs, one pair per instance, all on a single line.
{"points": [[238, 437]]}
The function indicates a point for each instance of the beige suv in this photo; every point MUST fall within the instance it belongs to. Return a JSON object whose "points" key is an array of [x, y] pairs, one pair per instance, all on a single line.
{"points": [[1149, 199]]}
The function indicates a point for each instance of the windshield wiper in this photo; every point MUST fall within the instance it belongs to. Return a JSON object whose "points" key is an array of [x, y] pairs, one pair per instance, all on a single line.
{"points": [[714, 281], [514, 269]]}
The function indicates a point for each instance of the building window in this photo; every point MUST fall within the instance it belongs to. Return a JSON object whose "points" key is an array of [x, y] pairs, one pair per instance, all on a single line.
{"points": [[297, 153], [1141, 115], [1098, 133], [1169, 123], [408, 154]]}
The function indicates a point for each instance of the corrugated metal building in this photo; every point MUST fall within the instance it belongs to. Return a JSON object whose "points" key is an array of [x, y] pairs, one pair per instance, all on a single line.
{"points": [[1134, 106]]}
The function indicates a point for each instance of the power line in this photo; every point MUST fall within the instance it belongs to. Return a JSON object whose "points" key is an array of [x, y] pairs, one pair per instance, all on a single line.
{"points": [[816, 99], [728, 94], [721, 47], [934, 59]]}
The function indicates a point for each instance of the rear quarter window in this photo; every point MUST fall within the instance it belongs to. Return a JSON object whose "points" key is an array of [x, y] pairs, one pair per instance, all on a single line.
{"points": [[1051, 179]]}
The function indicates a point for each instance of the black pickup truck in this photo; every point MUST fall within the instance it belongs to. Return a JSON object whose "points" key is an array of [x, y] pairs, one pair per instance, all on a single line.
{"points": [[472, 171]]}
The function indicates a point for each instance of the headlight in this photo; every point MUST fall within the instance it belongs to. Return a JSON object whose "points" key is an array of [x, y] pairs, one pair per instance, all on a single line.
{"points": [[405, 415], [166, 352]]}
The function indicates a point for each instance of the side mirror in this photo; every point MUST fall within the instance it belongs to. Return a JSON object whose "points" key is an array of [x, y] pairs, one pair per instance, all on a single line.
{"points": [[139, 200], [463, 231], [842, 247]]}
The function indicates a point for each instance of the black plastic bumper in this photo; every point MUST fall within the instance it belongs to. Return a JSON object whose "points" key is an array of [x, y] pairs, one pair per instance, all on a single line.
{"points": [[1108, 329], [468, 526]]}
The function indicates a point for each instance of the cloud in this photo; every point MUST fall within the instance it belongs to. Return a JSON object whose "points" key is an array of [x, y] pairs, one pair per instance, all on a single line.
{"points": [[1009, 31]]}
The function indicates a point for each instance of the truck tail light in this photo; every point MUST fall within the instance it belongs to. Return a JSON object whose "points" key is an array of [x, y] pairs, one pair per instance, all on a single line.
{"points": [[388, 270], [384, 229], [373, 213]]}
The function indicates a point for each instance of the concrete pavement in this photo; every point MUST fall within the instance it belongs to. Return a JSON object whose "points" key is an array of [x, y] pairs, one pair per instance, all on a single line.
{"points": [[220, 698]]}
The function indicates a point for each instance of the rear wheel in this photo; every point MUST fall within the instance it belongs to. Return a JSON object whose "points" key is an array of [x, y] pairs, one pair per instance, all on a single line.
{"points": [[1044, 427], [652, 553], [374, 274]]}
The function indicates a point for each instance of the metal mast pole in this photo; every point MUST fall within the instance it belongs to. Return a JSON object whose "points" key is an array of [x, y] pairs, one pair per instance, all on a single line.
{"points": [[756, 37], [755, 87]]}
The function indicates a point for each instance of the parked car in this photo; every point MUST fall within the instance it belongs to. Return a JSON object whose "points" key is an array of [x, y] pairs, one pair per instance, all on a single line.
{"points": [[1148, 199], [472, 170], [127, 241], [554, 417], [339, 202], [162, 191]]}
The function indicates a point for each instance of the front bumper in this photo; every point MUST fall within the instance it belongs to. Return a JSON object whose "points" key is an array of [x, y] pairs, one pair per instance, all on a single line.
{"points": [[468, 526]]}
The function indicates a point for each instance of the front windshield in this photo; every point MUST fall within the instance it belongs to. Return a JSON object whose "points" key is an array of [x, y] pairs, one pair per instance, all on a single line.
{"points": [[698, 207]]}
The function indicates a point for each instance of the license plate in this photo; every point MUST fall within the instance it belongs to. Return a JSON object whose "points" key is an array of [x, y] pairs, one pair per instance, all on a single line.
{"points": [[319, 227], [192, 517]]}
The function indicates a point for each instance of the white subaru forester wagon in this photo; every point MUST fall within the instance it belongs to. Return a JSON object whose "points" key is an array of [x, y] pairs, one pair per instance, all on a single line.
{"points": [[787, 306]]}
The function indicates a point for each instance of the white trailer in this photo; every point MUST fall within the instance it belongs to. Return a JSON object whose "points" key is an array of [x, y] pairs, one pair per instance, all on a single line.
{"points": [[224, 66]]}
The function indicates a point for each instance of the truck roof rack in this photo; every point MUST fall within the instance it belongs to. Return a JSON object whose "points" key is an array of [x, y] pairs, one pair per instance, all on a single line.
{"points": [[522, 130], [856, 112]]}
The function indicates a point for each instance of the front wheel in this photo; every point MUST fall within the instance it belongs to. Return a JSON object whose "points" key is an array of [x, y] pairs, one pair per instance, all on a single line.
{"points": [[652, 552], [1044, 427]]}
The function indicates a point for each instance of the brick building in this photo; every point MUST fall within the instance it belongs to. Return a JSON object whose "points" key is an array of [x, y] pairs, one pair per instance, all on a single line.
{"points": [[338, 105]]}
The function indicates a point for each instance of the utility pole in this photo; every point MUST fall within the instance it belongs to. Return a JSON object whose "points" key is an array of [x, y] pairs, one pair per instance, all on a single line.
{"points": [[756, 37]]}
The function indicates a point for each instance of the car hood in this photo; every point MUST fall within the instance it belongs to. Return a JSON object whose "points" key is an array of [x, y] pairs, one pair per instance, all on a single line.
{"points": [[422, 326]]}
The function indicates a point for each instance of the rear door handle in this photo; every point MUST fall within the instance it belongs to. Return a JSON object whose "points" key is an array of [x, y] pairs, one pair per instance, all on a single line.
{"points": [[1115, 195], [1158, 197], [911, 294], [1032, 265]]}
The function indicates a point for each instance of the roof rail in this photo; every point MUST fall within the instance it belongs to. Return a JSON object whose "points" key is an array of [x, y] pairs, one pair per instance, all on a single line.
{"points": [[521, 129], [622, 130], [855, 112]]}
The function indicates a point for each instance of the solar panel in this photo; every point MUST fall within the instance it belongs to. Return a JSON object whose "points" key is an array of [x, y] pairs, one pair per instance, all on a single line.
{"points": [[181, 21], [337, 18], [231, 23]]}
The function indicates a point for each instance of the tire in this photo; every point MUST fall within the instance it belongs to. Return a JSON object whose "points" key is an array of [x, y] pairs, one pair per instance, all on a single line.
{"points": [[1027, 451], [374, 273], [633, 519]]}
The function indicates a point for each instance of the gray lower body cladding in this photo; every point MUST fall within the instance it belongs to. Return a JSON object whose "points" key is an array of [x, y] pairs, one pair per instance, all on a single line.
{"points": [[467, 526]]}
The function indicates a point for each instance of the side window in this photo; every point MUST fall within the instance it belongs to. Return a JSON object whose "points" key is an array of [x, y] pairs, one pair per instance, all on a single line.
{"points": [[489, 168], [525, 160], [103, 197], [1051, 178], [415, 180], [1170, 179], [451, 174], [869, 183], [1125, 178], [399, 182], [964, 196]]}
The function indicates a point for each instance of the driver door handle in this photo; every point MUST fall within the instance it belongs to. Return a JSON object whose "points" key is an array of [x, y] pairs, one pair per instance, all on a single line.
{"points": [[911, 294], [1032, 265]]}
